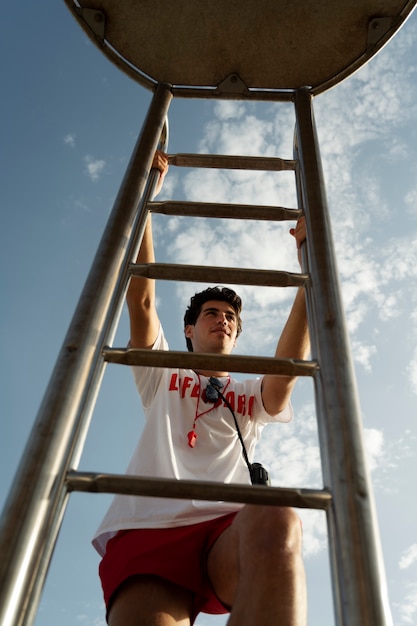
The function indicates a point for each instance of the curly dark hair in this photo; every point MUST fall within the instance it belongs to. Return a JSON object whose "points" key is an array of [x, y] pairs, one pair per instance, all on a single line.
{"points": [[224, 294]]}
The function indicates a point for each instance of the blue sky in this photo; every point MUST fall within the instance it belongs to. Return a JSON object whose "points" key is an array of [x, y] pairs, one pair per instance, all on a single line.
{"points": [[69, 121]]}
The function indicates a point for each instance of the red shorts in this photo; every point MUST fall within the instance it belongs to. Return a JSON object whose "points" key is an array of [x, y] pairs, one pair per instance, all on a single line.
{"points": [[177, 554]]}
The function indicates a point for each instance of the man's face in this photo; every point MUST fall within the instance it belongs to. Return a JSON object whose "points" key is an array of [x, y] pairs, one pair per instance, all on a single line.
{"points": [[215, 328]]}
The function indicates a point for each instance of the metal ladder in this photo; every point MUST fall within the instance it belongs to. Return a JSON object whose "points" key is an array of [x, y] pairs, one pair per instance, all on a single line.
{"points": [[47, 473]]}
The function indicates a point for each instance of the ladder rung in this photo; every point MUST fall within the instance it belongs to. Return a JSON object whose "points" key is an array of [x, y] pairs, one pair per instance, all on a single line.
{"points": [[212, 362], [157, 487], [232, 211], [220, 161], [262, 95], [224, 275]]}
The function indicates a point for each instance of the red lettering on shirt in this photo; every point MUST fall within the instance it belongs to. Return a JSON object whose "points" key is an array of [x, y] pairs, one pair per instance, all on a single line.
{"points": [[189, 387], [173, 385], [186, 383], [195, 393], [230, 397], [241, 404]]}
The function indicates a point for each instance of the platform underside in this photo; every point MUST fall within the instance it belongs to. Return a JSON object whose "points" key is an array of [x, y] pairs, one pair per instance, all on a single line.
{"points": [[232, 48]]}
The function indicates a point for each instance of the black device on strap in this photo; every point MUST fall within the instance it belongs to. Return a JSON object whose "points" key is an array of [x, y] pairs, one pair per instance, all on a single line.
{"points": [[258, 474]]}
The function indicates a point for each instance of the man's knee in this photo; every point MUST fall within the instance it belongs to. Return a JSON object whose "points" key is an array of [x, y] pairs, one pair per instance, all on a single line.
{"points": [[262, 545], [271, 529]]}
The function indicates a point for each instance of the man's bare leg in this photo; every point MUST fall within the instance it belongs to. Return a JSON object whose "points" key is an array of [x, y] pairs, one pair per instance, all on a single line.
{"points": [[256, 568], [151, 601]]}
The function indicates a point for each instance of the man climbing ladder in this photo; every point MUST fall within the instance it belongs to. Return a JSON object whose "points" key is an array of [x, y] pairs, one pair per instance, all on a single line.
{"points": [[166, 560]]}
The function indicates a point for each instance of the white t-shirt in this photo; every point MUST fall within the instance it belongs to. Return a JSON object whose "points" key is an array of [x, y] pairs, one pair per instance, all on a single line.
{"points": [[173, 401]]}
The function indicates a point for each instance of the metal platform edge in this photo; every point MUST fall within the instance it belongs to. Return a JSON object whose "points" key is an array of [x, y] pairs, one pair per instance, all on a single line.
{"points": [[231, 87]]}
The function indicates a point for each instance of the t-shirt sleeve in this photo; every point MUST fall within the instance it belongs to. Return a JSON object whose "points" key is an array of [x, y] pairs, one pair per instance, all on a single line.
{"points": [[285, 415], [254, 389]]}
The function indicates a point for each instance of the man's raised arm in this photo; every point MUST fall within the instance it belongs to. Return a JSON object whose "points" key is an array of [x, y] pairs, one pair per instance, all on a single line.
{"points": [[294, 343], [144, 321]]}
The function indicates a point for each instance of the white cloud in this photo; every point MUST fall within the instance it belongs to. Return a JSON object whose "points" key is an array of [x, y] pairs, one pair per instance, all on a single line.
{"points": [[94, 167], [70, 140], [411, 201], [411, 370], [398, 150], [243, 135], [409, 557], [291, 452], [80, 205], [362, 354], [226, 109], [411, 367], [374, 446], [408, 608], [315, 536]]}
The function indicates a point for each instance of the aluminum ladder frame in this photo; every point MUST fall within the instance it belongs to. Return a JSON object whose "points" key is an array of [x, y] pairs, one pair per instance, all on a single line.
{"points": [[47, 472]]}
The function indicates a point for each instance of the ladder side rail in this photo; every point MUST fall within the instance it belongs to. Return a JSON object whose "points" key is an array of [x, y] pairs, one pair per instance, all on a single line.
{"points": [[311, 315], [35, 505], [318, 391], [91, 389], [355, 552]]}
